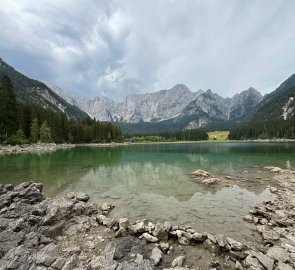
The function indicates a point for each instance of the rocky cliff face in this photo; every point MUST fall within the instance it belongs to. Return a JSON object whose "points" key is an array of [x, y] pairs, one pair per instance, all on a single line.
{"points": [[135, 108], [193, 109]]}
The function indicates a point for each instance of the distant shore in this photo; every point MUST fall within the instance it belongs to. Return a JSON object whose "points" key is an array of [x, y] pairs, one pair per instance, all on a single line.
{"points": [[50, 147], [33, 148]]}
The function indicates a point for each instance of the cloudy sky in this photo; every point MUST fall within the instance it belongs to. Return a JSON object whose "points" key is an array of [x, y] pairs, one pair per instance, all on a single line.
{"points": [[113, 48]]}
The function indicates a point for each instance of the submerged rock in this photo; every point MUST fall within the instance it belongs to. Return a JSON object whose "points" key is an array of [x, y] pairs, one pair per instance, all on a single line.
{"points": [[201, 173]]}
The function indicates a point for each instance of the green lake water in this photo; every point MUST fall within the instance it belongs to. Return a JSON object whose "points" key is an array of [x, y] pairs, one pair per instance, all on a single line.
{"points": [[153, 181]]}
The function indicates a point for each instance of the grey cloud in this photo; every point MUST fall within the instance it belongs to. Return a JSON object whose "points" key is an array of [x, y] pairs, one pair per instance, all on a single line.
{"points": [[113, 48]]}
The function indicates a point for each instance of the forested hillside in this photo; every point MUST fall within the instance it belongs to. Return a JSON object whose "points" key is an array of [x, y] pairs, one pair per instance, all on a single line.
{"points": [[35, 92], [27, 122]]}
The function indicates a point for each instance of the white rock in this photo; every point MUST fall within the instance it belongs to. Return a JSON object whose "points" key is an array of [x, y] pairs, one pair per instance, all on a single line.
{"points": [[156, 256], [178, 261]]}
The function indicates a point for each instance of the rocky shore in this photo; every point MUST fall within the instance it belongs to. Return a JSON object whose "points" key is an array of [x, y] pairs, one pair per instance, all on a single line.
{"points": [[33, 148], [71, 233]]}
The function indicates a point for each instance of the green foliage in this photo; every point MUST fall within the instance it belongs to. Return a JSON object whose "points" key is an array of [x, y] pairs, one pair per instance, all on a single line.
{"points": [[184, 135], [268, 130], [28, 90], [8, 123], [56, 126], [45, 133], [18, 139], [35, 130], [272, 110]]}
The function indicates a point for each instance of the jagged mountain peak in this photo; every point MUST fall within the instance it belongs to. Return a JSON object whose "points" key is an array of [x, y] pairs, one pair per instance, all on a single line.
{"points": [[180, 88]]}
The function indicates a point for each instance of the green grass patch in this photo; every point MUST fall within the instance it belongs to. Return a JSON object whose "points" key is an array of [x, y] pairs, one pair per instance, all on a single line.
{"points": [[218, 136]]}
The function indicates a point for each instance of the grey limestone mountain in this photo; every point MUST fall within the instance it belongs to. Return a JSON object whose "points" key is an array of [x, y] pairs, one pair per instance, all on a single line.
{"points": [[191, 109]]}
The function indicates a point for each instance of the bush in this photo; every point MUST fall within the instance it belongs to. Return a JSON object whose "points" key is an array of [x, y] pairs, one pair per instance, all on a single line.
{"points": [[17, 139]]}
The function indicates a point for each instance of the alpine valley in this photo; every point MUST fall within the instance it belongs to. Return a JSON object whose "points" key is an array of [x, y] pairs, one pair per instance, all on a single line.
{"points": [[179, 108], [174, 109]]}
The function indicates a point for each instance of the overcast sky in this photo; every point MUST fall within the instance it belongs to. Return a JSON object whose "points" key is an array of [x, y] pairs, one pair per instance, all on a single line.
{"points": [[113, 48]]}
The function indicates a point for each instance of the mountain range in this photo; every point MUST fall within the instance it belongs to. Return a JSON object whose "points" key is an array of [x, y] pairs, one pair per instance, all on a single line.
{"points": [[173, 109]]}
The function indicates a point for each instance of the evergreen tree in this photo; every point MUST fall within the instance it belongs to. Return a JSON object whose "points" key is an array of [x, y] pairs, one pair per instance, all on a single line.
{"points": [[45, 132], [35, 130], [8, 113]]}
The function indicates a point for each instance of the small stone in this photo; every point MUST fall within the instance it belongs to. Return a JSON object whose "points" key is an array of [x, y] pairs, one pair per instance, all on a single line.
{"points": [[210, 246], [178, 262], [210, 181], [139, 259], [149, 238], [81, 196], [106, 207], [183, 241], [220, 239], [201, 173], [234, 245], [156, 256], [263, 221], [199, 237], [138, 227], [239, 266], [123, 223], [248, 219], [164, 246], [160, 232], [273, 190]]}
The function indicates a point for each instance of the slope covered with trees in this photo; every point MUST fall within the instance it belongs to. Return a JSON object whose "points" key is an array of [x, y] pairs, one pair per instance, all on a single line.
{"points": [[23, 122], [35, 92], [273, 118]]}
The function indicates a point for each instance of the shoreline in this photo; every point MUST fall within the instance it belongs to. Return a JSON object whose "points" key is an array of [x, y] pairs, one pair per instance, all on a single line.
{"points": [[50, 147], [69, 232]]}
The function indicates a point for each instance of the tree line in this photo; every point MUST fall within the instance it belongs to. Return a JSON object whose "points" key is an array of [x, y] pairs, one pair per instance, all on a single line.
{"points": [[24, 122], [267, 130], [184, 135]]}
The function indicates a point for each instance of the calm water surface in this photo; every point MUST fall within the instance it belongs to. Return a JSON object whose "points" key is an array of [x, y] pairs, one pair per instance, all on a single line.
{"points": [[152, 181]]}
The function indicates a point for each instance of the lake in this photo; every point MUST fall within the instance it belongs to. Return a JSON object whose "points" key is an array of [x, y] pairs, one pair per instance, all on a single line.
{"points": [[153, 180]]}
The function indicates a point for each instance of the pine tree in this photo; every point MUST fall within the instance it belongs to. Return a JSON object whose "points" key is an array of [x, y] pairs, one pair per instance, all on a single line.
{"points": [[35, 130], [8, 112], [45, 132]]}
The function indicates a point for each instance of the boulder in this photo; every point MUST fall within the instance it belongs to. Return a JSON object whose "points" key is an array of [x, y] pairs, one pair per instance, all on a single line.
{"points": [[47, 255], [278, 254], [178, 262], [267, 262]]}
